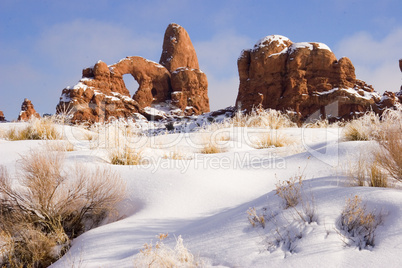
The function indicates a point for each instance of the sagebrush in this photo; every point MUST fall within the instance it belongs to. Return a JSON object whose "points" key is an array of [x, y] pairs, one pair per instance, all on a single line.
{"points": [[359, 224], [44, 206]]}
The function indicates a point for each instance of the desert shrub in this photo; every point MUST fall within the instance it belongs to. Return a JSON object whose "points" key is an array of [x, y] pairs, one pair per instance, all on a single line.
{"points": [[44, 207], [363, 128], [36, 129], [160, 255], [126, 156], [358, 224], [290, 190]]}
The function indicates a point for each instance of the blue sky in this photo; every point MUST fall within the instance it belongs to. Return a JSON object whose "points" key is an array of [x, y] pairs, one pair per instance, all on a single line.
{"points": [[44, 45]]}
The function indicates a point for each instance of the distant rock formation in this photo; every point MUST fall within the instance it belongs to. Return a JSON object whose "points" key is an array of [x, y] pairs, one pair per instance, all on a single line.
{"points": [[102, 93], [302, 77], [400, 64], [2, 118], [27, 111]]}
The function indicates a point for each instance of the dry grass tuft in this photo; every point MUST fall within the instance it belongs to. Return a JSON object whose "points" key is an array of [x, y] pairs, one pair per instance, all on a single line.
{"points": [[60, 146], [358, 223], [176, 155], [390, 154], [44, 207], [255, 219], [259, 117], [367, 172], [211, 145], [160, 255], [364, 128], [126, 156], [271, 139], [37, 129]]}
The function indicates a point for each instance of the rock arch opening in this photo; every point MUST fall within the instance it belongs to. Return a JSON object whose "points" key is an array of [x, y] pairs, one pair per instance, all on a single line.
{"points": [[131, 84]]}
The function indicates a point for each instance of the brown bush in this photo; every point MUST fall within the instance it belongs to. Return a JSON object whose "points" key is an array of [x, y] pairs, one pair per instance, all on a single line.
{"points": [[45, 207]]}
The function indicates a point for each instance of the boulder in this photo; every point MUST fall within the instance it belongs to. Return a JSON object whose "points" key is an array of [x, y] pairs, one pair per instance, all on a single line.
{"points": [[27, 111], [302, 77], [101, 94], [2, 118]]}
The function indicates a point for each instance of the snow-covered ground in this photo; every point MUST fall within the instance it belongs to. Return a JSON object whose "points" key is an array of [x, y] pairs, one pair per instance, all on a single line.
{"points": [[204, 198]]}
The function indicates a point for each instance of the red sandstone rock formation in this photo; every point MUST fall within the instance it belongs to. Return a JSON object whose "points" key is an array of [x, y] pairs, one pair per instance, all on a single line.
{"points": [[102, 94], [27, 111], [2, 118], [189, 83], [303, 77], [190, 90], [400, 64], [177, 50]]}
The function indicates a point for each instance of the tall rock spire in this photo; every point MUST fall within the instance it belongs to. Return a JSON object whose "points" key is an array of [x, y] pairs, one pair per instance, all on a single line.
{"points": [[177, 50]]}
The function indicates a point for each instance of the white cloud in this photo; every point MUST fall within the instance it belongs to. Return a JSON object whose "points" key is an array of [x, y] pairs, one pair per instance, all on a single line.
{"points": [[376, 60]]}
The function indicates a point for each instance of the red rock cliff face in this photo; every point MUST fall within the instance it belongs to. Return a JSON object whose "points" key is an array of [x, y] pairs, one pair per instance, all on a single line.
{"points": [[101, 93], [302, 77], [27, 111]]}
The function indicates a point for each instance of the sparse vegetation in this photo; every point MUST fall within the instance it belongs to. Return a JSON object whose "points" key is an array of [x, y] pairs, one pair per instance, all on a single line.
{"points": [[36, 129], [210, 145], [60, 146], [176, 155], [45, 207], [255, 219], [358, 224], [390, 154], [259, 117], [160, 255], [367, 172], [270, 139], [363, 128], [290, 190]]}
